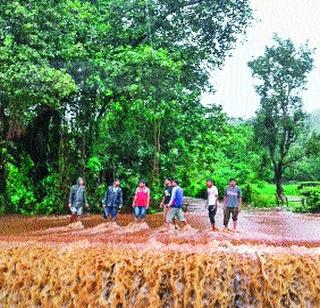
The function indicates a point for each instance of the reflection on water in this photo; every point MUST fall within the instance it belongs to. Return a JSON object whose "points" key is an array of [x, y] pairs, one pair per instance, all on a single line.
{"points": [[273, 260]]}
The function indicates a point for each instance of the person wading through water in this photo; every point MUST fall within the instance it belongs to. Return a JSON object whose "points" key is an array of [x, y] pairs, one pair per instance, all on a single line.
{"points": [[175, 205], [166, 199], [232, 204], [77, 199], [212, 203], [113, 200], [141, 201]]}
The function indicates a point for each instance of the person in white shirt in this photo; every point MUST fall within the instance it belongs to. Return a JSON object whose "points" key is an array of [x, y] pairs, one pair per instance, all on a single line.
{"points": [[212, 202]]}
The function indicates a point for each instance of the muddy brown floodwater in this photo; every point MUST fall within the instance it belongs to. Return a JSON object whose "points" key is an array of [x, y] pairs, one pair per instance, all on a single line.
{"points": [[274, 261]]}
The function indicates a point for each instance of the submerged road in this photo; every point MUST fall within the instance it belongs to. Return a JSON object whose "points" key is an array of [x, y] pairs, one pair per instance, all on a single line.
{"points": [[272, 227], [272, 261]]}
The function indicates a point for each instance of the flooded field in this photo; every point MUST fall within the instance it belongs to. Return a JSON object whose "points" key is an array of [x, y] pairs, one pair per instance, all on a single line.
{"points": [[274, 261]]}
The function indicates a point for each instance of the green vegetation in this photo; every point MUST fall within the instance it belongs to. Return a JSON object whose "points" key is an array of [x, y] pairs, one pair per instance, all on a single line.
{"points": [[280, 120], [305, 184], [262, 194], [312, 200], [302, 197], [111, 88]]}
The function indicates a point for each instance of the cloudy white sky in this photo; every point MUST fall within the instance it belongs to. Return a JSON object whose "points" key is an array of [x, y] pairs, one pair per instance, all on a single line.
{"points": [[295, 19]]}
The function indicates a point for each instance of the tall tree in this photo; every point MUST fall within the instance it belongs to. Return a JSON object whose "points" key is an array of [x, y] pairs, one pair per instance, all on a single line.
{"points": [[280, 120], [68, 67]]}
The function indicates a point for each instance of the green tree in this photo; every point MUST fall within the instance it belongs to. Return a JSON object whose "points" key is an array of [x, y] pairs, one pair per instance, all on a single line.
{"points": [[105, 88], [280, 120]]}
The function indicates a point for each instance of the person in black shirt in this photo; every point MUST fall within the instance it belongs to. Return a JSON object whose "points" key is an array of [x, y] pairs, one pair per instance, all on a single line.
{"points": [[166, 197]]}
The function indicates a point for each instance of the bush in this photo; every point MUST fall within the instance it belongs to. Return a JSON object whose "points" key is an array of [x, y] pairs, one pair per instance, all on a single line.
{"points": [[262, 200], [19, 188], [247, 193], [260, 194], [50, 203], [2, 204], [305, 184], [312, 200], [95, 198]]}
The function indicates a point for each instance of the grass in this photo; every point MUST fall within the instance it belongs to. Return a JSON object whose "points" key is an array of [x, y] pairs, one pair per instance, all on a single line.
{"points": [[264, 194], [270, 189]]}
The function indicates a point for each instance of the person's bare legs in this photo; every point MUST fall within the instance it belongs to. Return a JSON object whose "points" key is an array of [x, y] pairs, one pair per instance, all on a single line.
{"points": [[235, 219], [73, 218], [182, 219], [234, 226], [175, 224], [226, 219], [166, 218]]}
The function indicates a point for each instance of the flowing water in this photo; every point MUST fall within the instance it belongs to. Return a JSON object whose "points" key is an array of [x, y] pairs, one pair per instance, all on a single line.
{"points": [[274, 261]]}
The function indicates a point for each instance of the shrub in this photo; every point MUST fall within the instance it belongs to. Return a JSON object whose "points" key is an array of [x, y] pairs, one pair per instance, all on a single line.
{"points": [[262, 200], [95, 198], [19, 188], [2, 204], [50, 203], [305, 184], [312, 200], [260, 194], [247, 193]]}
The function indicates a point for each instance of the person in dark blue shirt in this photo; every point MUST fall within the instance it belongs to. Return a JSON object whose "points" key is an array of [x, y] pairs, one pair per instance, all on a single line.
{"points": [[113, 200], [175, 204]]}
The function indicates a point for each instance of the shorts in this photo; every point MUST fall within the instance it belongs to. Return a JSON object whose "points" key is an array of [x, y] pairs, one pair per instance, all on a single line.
{"points": [[228, 211], [175, 212], [166, 210], [76, 210], [140, 211], [110, 211], [212, 213]]}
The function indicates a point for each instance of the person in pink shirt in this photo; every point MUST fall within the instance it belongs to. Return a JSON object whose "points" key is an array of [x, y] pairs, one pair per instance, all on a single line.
{"points": [[141, 201]]}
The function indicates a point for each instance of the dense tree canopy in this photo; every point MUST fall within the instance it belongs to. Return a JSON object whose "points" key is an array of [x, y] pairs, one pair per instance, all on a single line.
{"points": [[104, 88]]}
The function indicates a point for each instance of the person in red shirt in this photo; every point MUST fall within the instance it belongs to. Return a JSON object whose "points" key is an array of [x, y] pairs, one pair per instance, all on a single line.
{"points": [[141, 201]]}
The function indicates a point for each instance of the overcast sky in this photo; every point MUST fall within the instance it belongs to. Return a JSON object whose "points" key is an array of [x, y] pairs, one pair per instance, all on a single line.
{"points": [[298, 20]]}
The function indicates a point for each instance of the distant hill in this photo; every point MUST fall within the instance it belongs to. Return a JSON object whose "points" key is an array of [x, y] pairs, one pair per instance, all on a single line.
{"points": [[314, 120]]}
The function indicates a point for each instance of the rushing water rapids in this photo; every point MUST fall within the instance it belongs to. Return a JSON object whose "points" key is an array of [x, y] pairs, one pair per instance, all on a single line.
{"points": [[274, 261]]}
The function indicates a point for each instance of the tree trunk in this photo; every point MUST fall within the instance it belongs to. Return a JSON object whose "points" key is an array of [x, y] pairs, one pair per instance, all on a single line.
{"points": [[64, 167], [36, 142], [278, 173], [280, 194], [155, 163]]}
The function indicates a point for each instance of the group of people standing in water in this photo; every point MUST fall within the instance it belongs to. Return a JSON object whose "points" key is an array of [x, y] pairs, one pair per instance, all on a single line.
{"points": [[172, 202]]}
